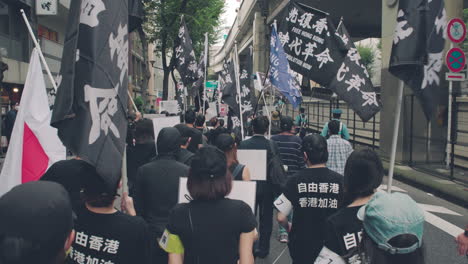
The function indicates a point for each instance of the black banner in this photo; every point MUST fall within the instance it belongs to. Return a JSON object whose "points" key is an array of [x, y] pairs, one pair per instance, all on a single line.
{"points": [[418, 49], [352, 83], [186, 63], [248, 98], [308, 38], [230, 89], [90, 108]]}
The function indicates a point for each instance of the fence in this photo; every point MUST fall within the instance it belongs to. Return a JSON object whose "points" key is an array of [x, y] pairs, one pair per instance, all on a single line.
{"points": [[320, 111], [423, 150]]}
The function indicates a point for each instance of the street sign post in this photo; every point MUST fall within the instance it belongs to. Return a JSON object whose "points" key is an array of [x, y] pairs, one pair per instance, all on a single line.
{"points": [[455, 77], [456, 30]]}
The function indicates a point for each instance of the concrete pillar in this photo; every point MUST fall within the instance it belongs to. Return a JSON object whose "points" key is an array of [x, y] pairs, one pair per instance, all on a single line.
{"points": [[428, 144], [260, 44]]}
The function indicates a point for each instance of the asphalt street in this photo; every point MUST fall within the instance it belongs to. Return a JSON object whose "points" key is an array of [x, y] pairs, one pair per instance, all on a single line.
{"points": [[439, 245]]}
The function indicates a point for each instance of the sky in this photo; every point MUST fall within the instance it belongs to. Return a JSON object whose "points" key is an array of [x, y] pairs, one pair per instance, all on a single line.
{"points": [[230, 14]]}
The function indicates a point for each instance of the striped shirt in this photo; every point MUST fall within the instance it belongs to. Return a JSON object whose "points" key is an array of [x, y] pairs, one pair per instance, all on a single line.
{"points": [[290, 151], [338, 152]]}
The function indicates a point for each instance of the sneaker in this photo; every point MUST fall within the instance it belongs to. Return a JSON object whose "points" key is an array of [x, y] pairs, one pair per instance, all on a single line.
{"points": [[283, 238]]}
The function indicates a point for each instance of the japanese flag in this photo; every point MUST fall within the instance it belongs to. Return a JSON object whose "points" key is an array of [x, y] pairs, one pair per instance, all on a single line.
{"points": [[34, 144]]}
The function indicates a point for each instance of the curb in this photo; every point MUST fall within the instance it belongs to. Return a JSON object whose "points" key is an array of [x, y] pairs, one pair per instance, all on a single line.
{"points": [[445, 189]]}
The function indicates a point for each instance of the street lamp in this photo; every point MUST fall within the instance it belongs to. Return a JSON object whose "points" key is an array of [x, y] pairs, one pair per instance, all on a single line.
{"points": [[15, 90]]}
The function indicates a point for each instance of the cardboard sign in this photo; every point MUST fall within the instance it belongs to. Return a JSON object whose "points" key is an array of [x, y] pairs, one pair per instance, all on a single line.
{"points": [[327, 256], [223, 109], [172, 107], [241, 190], [256, 161], [211, 111], [161, 122], [46, 7]]}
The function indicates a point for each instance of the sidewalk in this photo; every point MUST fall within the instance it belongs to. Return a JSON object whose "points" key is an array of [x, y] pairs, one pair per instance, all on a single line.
{"points": [[449, 190]]}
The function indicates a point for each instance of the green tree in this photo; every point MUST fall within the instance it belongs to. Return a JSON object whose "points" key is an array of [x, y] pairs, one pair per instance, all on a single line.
{"points": [[162, 25], [367, 57]]}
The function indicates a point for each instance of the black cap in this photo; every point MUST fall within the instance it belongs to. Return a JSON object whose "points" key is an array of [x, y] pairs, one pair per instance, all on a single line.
{"points": [[209, 163], [94, 184], [286, 123], [38, 211], [168, 140], [224, 142]]}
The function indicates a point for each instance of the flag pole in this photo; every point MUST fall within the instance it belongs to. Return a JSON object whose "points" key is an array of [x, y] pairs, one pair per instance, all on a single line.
{"points": [[236, 70], [206, 66], [396, 128], [133, 102], [38, 47]]}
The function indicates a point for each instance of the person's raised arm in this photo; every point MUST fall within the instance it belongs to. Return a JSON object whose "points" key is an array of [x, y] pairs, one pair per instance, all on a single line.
{"points": [[245, 248]]}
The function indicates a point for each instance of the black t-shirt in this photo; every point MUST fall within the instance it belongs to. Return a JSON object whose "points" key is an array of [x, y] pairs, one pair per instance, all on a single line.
{"points": [[110, 238], [217, 226], [197, 139], [315, 194], [343, 233]]}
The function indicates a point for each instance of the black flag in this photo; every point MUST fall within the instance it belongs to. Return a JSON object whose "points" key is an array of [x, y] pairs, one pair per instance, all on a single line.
{"points": [[352, 83], [229, 90], [418, 49], [248, 98], [198, 86], [90, 108], [185, 63], [308, 38], [135, 14]]}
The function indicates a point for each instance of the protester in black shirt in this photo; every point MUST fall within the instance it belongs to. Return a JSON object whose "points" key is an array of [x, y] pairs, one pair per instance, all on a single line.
{"points": [[362, 176], [226, 143], [36, 224], [314, 194], [197, 139], [157, 186], [103, 234], [143, 152], [211, 229], [265, 189]]}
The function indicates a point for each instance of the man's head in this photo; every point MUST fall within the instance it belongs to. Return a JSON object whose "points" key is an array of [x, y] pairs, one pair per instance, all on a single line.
{"points": [[36, 224], [302, 110], [96, 191], [168, 141], [190, 117], [334, 127], [315, 149], [200, 120], [260, 125], [337, 113], [186, 135], [144, 131], [286, 124]]}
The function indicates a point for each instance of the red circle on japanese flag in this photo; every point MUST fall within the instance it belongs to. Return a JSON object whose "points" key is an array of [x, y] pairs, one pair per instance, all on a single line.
{"points": [[456, 30], [455, 60]]}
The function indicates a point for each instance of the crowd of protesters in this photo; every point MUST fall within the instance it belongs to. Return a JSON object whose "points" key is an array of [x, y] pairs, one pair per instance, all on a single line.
{"points": [[328, 207]]}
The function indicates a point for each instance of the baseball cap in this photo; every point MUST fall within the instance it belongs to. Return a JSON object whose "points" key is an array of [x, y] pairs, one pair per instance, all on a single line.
{"points": [[337, 111], [38, 211], [209, 163], [386, 216], [224, 142], [286, 123]]}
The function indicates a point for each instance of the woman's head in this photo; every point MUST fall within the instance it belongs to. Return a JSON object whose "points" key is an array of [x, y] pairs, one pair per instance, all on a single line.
{"points": [[363, 174], [227, 144], [393, 229], [209, 178]]}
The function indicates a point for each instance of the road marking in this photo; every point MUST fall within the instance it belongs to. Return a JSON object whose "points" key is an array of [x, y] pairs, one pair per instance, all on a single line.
{"points": [[443, 225], [383, 187], [437, 209], [282, 252]]}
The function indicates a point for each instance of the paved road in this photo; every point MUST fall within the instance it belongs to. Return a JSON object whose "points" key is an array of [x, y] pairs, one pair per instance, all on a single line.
{"points": [[440, 247]]}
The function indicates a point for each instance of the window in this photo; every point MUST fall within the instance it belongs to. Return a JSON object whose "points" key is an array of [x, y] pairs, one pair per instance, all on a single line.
{"points": [[47, 33], [4, 19]]}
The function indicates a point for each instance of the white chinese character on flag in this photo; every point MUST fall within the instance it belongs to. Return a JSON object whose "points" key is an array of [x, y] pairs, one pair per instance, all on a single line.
{"points": [[355, 82], [302, 187], [119, 45], [296, 45], [320, 25], [293, 15], [324, 57]]}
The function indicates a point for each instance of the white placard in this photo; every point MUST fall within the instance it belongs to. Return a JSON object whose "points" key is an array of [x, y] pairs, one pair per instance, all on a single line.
{"points": [[241, 190], [161, 122], [46, 7], [256, 161], [172, 107], [152, 116], [327, 256], [211, 112]]}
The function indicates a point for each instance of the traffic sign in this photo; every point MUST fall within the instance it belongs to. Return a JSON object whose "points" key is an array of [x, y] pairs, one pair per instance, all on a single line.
{"points": [[456, 30], [456, 77], [455, 60]]}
